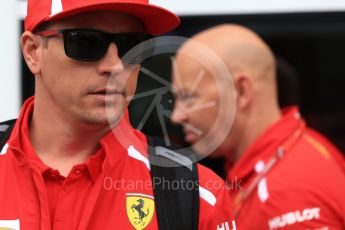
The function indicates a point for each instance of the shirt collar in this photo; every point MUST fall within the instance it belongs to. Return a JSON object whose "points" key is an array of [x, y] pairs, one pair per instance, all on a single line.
{"points": [[267, 143], [94, 164], [24, 137], [21, 139], [117, 142], [113, 145]]}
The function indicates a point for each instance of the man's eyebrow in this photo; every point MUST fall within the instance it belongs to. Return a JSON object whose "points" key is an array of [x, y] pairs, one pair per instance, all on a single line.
{"points": [[179, 91], [184, 93]]}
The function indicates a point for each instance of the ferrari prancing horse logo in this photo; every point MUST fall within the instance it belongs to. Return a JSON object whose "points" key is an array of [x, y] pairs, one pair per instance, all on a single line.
{"points": [[140, 209]]}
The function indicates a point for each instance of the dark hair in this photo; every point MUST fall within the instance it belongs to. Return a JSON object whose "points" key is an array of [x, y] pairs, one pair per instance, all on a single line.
{"points": [[42, 26]]}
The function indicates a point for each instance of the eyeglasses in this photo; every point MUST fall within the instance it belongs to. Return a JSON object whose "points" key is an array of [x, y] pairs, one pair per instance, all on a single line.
{"points": [[92, 45]]}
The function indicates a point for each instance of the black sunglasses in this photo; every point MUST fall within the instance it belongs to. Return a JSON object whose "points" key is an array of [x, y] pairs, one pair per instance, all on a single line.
{"points": [[92, 45]]}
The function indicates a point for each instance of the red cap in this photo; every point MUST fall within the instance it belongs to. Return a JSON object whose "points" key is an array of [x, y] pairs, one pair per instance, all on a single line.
{"points": [[156, 19]]}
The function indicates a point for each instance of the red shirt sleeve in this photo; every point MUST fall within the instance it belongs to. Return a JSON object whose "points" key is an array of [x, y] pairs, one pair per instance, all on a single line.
{"points": [[215, 204]]}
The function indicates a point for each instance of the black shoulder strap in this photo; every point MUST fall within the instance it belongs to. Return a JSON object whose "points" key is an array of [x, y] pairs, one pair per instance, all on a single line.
{"points": [[5, 131], [175, 183]]}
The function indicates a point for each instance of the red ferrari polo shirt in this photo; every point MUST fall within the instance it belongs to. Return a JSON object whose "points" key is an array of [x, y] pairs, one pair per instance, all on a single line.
{"points": [[291, 177], [111, 190], [84, 174]]}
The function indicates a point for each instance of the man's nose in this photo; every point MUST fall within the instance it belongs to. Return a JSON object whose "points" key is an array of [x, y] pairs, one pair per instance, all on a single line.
{"points": [[111, 62], [179, 114]]}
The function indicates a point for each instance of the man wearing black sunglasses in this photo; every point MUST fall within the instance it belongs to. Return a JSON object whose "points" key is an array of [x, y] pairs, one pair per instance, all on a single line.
{"points": [[72, 160]]}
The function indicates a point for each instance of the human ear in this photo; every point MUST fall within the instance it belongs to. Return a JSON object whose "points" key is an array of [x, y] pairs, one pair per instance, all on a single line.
{"points": [[245, 91], [31, 45]]}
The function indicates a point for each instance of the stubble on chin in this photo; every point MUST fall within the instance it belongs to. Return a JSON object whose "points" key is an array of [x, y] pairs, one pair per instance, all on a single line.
{"points": [[109, 116]]}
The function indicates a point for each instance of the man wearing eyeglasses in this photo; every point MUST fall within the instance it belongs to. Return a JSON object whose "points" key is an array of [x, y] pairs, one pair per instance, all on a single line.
{"points": [[291, 177], [72, 160]]}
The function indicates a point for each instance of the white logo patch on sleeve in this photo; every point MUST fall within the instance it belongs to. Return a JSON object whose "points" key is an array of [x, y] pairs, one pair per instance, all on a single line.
{"points": [[262, 190], [132, 152], [9, 224], [4, 149], [225, 226], [294, 217], [207, 196]]}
